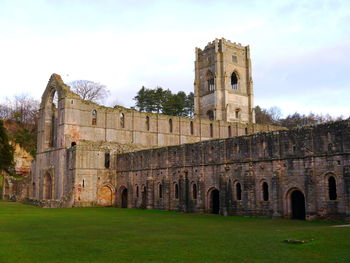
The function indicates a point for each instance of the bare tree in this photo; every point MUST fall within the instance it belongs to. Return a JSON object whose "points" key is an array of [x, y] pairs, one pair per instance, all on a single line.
{"points": [[89, 90], [21, 108]]}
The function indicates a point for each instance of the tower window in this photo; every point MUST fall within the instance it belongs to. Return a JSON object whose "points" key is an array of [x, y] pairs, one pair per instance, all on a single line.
{"points": [[237, 113], [234, 81], [210, 81], [94, 117], [210, 115], [234, 59]]}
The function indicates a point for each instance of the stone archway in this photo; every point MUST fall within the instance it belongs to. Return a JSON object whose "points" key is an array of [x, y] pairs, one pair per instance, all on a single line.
{"points": [[47, 186], [214, 201], [124, 197], [297, 203], [105, 196]]}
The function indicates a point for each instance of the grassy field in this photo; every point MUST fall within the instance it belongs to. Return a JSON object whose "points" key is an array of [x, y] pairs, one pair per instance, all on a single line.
{"points": [[31, 234]]}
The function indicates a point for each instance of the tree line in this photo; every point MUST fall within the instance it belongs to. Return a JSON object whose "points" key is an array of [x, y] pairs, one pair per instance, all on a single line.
{"points": [[273, 116]]}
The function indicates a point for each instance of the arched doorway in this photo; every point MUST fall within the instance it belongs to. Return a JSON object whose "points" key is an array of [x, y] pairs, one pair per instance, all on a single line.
{"points": [[297, 200], [124, 197], [105, 196], [214, 201], [47, 186]]}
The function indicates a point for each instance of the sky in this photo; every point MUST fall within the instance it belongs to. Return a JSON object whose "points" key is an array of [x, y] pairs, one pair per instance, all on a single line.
{"points": [[300, 50]]}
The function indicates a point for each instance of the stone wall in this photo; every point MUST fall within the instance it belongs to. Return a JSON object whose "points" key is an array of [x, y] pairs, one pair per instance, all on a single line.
{"points": [[302, 159]]}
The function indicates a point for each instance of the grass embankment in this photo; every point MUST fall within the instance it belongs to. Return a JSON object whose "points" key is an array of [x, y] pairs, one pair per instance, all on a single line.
{"points": [[31, 234]]}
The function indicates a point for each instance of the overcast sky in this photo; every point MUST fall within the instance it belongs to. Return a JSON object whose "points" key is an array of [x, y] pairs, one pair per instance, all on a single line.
{"points": [[300, 50]]}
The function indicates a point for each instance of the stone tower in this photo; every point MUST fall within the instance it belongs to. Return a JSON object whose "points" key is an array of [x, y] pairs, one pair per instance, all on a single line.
{"points": [[223, 82]]}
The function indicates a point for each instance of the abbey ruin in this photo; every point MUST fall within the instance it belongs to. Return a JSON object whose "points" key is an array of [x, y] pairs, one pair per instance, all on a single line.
{"points": [[221, 161]]}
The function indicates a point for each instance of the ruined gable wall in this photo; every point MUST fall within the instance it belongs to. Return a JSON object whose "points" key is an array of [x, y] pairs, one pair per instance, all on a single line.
{"points": [[302, 159]]}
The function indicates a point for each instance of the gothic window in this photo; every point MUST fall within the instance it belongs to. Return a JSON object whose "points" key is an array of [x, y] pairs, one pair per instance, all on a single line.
{"points": [[137, 191], [332, 188], [94, 117], [194, 191], [238, 191], [229, 131], [210, 81], [170, 125], [246, 131], [237, 113], [176, 190], [211, 130], [265, 191], [147, 123], [160, 191], [191, 127], [107, 160], [234, 81], [210, 115], [122, 120]]}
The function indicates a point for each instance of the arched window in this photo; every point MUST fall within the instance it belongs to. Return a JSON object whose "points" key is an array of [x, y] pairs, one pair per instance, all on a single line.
{"points": [[210, 115], [176, 190], [237, 113], [147, 123], [194, 191], [246, 130], [265, 191], [210, 81], [234, 81], [229, 131], [211, 130], [94, 117], [122, 120], [332, 188], [170, 125], [238, 191], [160, 191], [137, 191], [191, 127]]}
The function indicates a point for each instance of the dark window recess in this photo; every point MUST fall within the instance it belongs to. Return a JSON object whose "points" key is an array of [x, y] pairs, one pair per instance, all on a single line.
{"points": [[160, 191], [332, 188], [238, 191], [176, 191], [234, 81], [194, 191], [211, 130], [107, 160], [265, 188]]}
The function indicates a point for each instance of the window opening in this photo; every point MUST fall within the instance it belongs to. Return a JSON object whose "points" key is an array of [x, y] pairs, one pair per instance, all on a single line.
{"points": [[94, 117], [238, 191], [122, 120], [265, 188], [332, 188], [234, 81]]}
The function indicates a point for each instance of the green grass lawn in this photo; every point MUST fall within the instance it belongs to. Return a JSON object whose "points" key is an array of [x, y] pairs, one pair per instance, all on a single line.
{"points": [[31, 234]]}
